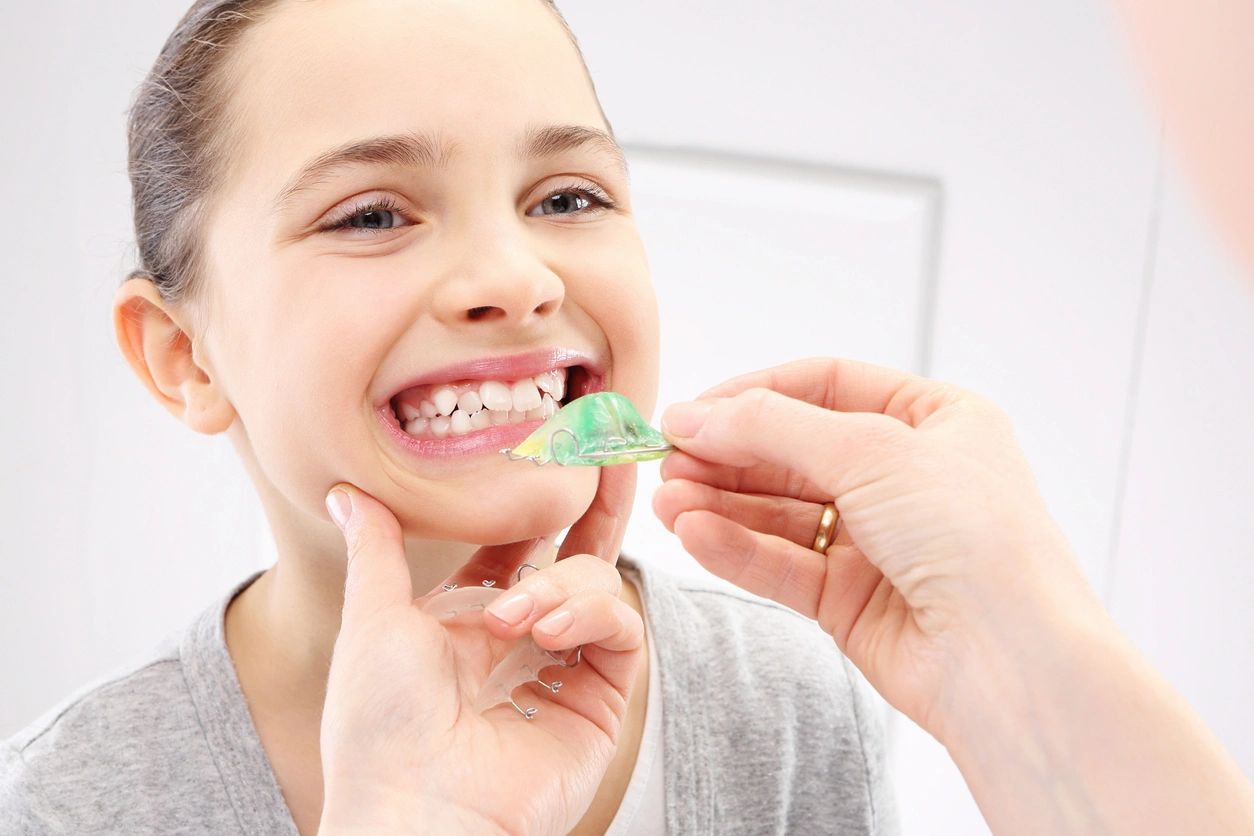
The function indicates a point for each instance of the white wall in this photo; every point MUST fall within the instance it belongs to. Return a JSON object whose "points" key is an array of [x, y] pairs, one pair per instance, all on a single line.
{"points": [[1067, 284], [118, 522]]}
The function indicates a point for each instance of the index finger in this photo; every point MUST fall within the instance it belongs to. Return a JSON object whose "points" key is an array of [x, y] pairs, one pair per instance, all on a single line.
{"points": [[829, 382], [600, 530], [761, 427]]}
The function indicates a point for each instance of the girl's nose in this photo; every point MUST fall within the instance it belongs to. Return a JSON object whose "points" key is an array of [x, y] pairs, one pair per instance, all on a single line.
{"points": [[513, 288]]}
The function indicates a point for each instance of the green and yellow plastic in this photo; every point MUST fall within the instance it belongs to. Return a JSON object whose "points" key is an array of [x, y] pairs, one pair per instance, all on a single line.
{"points": [[600, 429]]}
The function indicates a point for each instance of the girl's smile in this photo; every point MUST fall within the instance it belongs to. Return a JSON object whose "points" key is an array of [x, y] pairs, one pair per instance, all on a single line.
{"points": [[485, 405]]}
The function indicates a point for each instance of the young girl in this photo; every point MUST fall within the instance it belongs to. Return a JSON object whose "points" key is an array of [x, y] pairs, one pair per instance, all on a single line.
{"points": [[381, 240]]}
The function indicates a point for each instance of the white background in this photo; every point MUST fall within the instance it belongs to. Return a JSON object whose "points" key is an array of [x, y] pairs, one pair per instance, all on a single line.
{"points": [[975, 190]]}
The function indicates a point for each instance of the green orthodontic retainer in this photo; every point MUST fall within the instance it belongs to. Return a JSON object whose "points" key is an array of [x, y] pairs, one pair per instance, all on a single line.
{"points": [[603, 428]]}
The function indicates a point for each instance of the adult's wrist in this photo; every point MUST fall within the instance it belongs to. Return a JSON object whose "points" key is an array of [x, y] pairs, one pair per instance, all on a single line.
{"points": [[1059, 725], [1016, 644]]}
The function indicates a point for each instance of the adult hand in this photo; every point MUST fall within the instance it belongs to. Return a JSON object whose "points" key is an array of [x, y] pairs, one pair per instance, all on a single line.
{"points": [[403, 749], [950, 587], [943, 529]]}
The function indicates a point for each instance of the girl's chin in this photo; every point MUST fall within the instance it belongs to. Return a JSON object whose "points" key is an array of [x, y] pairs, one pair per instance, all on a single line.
{"points": [[543, 504]]}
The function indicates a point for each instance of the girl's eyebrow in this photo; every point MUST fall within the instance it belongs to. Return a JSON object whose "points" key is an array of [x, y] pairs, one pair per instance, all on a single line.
{"points": [[551, 140], [415, 150]]}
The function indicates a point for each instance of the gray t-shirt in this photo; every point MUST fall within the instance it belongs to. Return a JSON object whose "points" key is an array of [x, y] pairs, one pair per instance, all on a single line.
{"points": [[767, 728]]}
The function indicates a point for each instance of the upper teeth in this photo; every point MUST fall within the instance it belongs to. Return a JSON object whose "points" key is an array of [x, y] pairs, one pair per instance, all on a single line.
{"points": [[445, 401], [526, 395], [462, 408], [496, 395], [553, 382]]}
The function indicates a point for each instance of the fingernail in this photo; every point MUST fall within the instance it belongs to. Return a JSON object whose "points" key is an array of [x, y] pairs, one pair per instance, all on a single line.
{"points": [[514, 609], [684, 420], [340, 506], [556, 623]]}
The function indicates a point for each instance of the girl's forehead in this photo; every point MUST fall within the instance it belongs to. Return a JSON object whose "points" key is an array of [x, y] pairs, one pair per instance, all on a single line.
{"points": [[467, 70]]}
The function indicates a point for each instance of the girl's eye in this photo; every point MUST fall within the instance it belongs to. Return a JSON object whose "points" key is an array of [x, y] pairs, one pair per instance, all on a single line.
{"points": [[573, 202], [375, 219], [375, 216], [382, 214]]}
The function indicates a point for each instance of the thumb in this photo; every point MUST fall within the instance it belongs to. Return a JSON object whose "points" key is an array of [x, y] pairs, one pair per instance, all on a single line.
{"points": [[377, 575], [761, 426]]}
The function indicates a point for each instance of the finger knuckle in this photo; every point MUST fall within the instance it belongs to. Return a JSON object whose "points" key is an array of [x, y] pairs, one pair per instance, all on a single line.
{"points": [[884, 434], [755, 400], [628, 626], [608, 580], [801, 518], [359, 545], [543, 587], [591, 571], [631, 633], [752, 407]]}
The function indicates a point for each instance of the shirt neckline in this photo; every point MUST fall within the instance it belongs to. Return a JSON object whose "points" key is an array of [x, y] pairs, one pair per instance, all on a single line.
{"points": [[224, 718]]}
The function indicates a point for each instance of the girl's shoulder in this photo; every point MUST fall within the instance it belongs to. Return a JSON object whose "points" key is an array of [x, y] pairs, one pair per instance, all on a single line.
{"points": [[162, 745], [103, 754]]}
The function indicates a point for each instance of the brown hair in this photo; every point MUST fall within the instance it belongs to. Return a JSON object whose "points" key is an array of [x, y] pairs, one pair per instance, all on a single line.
{"points": [[176, 138]]}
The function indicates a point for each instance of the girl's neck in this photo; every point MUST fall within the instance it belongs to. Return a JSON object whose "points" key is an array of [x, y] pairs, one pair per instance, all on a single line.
{"points": [[288, 619]]}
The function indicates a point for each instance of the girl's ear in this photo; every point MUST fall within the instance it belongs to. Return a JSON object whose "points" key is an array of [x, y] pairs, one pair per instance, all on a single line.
{"points": [[162, 356]]}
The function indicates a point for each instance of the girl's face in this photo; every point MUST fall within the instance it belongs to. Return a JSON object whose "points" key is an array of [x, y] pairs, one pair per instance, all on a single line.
{"points": [[421, 201]]}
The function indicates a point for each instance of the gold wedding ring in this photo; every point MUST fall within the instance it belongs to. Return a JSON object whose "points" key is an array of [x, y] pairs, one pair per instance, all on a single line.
{"points": [[828, 525]]}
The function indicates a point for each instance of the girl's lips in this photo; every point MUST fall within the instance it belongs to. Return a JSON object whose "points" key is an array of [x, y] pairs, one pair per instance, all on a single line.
{"points": [[490, 440]]}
